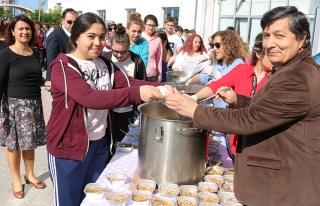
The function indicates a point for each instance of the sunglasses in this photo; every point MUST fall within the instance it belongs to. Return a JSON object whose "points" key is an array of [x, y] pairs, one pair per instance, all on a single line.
{"points": [[112, 28], [115, 52], [69, 22], [217, 45]]}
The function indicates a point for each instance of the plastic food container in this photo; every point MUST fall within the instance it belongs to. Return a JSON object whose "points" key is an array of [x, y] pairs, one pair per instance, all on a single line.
{"points": [[162, 201], [95, 191], [146, 185], [228, 178], [207, 204], [117, 178], [168, 190], [227, 187], [117, 198], [207, 187], [215, 170], [227, 197], [186, 201], [228, 171], [218, 179], [141, 198], [232, 204], [124, 147], [208, 197], [188, 190]]}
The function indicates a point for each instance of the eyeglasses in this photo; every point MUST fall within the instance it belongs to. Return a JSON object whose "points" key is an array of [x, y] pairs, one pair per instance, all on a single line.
{"points": [[69, 21], [217, 45], [151, 25], [112, 28], [115, 52]]}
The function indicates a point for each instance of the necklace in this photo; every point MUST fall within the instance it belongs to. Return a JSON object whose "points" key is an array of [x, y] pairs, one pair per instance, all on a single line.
{"points": [[23, 52]]}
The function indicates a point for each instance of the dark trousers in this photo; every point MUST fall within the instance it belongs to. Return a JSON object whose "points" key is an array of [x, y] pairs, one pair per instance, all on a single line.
{"points": [[120, 126], [40, 52], [69, 177]]}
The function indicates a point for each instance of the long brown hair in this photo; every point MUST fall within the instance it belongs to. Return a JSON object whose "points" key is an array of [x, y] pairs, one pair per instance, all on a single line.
{"points": [[234, 47]]}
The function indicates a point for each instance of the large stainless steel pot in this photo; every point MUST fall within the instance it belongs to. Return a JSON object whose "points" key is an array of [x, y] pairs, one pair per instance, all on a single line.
{"points": [[170, 150]]}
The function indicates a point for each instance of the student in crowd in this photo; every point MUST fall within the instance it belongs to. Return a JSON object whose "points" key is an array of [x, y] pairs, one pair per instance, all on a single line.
{"points": [[138, 45], [85, 89], [22, 126], [154, 67], [192, 56], [39, 44], [132, 65], [111, 28], [4, 22], [245, 79], [175, 41], [178, 30], [58, 39], [166, 53], [185, 34]]}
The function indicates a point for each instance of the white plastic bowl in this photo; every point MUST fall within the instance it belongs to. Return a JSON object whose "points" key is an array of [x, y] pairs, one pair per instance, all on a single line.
{"points": [[112, 198], [117, 178], [136, 193], [169, 190], [146, 185], [95, 195]]}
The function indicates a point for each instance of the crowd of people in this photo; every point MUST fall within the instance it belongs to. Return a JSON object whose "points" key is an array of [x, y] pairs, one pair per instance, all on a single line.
{"points": [[99, 71]]}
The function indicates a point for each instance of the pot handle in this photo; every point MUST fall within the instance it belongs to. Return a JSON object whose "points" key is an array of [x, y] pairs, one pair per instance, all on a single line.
{"points": [[159, 134], [181, 131]]}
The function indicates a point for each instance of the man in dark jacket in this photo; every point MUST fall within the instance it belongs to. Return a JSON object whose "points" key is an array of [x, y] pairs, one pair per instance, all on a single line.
{"points": [[277, 161], [57, 41]]}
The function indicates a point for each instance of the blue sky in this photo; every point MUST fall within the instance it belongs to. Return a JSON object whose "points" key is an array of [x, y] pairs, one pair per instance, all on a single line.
{"points": [[31, 4]]}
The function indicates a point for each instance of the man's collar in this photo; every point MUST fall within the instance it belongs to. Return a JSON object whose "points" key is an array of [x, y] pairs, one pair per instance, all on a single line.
{"points": [[66, 31]]}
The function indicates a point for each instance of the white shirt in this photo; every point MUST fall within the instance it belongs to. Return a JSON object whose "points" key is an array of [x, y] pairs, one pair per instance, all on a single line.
{"points": [[96, 74], [190, 64], [174, 41], [68, 33], [127, 67]]}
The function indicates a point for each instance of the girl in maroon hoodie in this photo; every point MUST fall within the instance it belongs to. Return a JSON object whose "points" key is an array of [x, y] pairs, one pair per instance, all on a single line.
{"points": [[85, 88]]}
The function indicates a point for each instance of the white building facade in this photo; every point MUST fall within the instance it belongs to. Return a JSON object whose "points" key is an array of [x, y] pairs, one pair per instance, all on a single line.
{"points": [[205, 16]]}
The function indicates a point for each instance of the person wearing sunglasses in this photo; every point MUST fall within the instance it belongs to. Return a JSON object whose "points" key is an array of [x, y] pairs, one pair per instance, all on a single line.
{"points": [[111, 31], [154, 67], [138, 45], [57, 41], [245, 79], [132, 65]]}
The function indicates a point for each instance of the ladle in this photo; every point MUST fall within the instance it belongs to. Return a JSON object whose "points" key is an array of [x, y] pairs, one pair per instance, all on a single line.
{"points": [[178, 81]]}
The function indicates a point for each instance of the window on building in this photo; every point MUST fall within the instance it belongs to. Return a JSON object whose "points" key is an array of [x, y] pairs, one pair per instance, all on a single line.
{"points": [[245, 15], [59, 5], [129, 11], [172, 11], [79, 13], [102, 14]]}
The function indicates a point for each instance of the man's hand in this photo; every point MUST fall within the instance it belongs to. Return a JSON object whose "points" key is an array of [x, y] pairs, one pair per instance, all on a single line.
{"points": [[209, 70], [150, 93], [182, 104], [229, 96]]}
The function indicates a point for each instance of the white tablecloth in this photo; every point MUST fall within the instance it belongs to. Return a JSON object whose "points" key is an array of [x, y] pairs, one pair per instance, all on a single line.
{"points": [[120, 162], [127, 163]]}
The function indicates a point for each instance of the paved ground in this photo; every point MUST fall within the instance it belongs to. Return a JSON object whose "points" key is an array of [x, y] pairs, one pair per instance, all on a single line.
{"points": [[33, 196]]}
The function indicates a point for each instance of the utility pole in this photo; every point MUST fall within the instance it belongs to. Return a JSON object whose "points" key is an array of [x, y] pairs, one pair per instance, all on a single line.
{"points": [[40, 4]]}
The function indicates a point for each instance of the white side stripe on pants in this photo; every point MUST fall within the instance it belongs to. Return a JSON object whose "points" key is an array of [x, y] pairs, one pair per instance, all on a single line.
{"points": [[53, 171]]}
